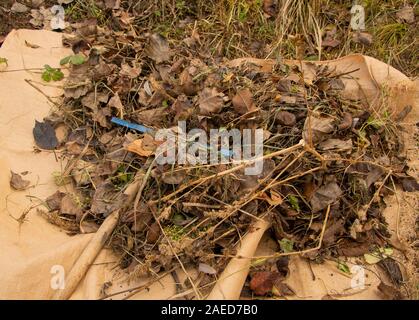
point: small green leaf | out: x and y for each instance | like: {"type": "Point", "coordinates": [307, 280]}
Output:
{"type": "Point", "coordinates": [378, 255]}
{"type": "Point", "coordinates": [286, 245]}
{"type": "Point", "coordinates": [386, 251]}
{"type": "Point", "coordinates": [52, 74]}
{"type": "Point", "coordinates": [57, 75]}
{"type": "Point", "coordinates": [48, 68]}
{"type": "Point", "coordinates": [46, 76]}
{"type": "Point", "coordinates": [293, 200]}
{"type": "Point", "coordinates": [65, 60]}
{"type": "Point", "coordinates": [77, 59]}
{"type": "Point", "coordinates": [342, 266]}
{"type": "Point", "coordinates": [372, 258]}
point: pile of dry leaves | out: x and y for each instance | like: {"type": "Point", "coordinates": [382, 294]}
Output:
{"type": "Point", "coordinates": [328, 161]}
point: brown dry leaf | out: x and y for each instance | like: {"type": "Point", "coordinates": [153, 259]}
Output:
{"type": "Point", "coordinates": [88, 227]}
{"type": "Point", "coordinates": [281, 289]}
{"type": "Point", "coordinates": [106, 199]}
{"type": "Point", "coordinates": [152, 117]}
{"type": "Point", "coordinates": [334, 229]}
{"type": "Point", "coordinates": [243, 101]}
{"type": "Point", "coordinates": [70, 206]}
{"type": "Point", "coordinates": [17, 182]}
{"type": "Point", "coordinates": [410, 184]}
{"type": "Point", "coordinates": [210, 101]}
{"type": "Point", "coordinates": [389, 292]}
{"type": "Point", "coordinates": [174, 177]}
{"type": "Point", "coordinates": [92, 99]}
{"type": "Point", "coordinates": [406, 14]}
{"type": "Point", "coordinates": [274, 199]}
{"type": "Point", "coordinates": [158, 48]}
{"type": "Point", "coordinates": [324, 196]}
{"type": "Point", "coordinates": [76, 86]}
{"type": "Point", "coordinates": [101, 116]}
{"type": "Point", "coordinates": [336, 145]}
{"type": "Point", "coordinates": [330, 37]}
{"type": "Point", "coordinates": [137, 147]}
{"type": "Point", "coordinates": [115, 102]}
{"type": "Point", "coordinates": [36, 3]}
{"type": "Point", "coordinates": [102, 70]}
{"type": "Point", "coordinates": [346, 122]}
{"type": "Point", "coordinates": [153, 233]}
{"type": "Point", "coordinates": [126, 18]}
{"type": "Point", "coordinates": [82, 172]}
{"type": "Point", "coordinates": [86, 28]}
{"type": "Point", "coordinates": [30, 45]}
{"type": "Point", "coordinates": [270, 7]}
{"type": "Point", "coordinates": [363, 38]}
{"type": "Point", "coordinates": [392, 269]}
{"type": "Point", "coordinates": [193, 40]}
{"type": "Point", "coordinates": [262, 282]}
{"type": "Point", "coordinates": [54, 201]}
{"type": "Point", "coordinates": [286, 118]}
{"type": "Point", "coordinates": [348, 248]}
{"type": "Point", "coordinates": [374, 174]}
{"type": "Point", "coordinates": [130, 72]}
{"type": "Point", "coordinates": [182, 107]}
{"type": "Point", "coordinates": [186, 84]}
{"type": "Point", "coordinates": [113, 4]}
{"type": "Point", "coordinates": [320, 127]}
{"type": "Point", "coordinates": [19, 8]}
{"type": "Point", "coordinates": [403, 114]}
{"type": "Point", "coordinates": [44, 135]}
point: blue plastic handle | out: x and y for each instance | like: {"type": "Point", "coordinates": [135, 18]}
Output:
{"type": "Point", "coordinates": [133, 126]}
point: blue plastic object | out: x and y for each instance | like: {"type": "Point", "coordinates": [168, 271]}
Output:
{"type": "Point", "coordinates": [133, 126]}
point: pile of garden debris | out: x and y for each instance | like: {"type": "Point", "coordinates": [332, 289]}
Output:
{"type": "Point", "coordinates": [327, 162]}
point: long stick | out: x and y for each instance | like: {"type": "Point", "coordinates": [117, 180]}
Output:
{"type": "Point", "coordinates": [231, 281]}
{"type": "Point", "coordinates": [87, 257]}
{"type": "Point", "coordinates": [95, 245]}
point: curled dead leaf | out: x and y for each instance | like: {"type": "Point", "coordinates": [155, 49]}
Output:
{"type": "Point", "coordinates": [325, 196]}
{"type": "Point", "coordinates": [54, 201]}
{"type": "Point", "coordinates": [138, 146]}
{"type": "Point", "coordinates": [44, 135]}
{"type": "Point", "coordinates": [210, 101]}
{"type": "Point", "coordinates": [70, 206]}
{"type": "Point", "coordinates": [262, 282]}
{"type": "Point", "coordinates": [317, 128]}
{"type": "Point", "coordinates": [243, 101]}
{"type": "Point", "coordinates": [17, 182]}
{"type": "Point", "coordinates": [158, 48]}
{"type": "Point", "coordinates": [286, 118]}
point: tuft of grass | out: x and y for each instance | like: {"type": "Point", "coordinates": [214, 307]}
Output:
{"type": "Point", "coordinates": [392, 34]}
{"type": "Point", "coordinates": [82, 9]}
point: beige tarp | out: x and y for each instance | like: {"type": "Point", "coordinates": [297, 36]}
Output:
{"type": "Point", "coordinates": [30, 247]}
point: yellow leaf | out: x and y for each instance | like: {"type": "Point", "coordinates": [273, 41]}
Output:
{"type": "Point", "coordinates": [138, 148]}
{"type": "Point", "coordinates": [274, 199]}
